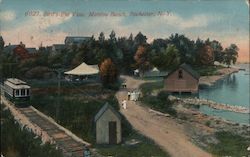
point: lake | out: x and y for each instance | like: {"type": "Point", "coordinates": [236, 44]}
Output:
{"type": "Point", "coordinates": [233, 90]}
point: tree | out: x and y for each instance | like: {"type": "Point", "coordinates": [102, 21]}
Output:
{"type": "Point", "coordinates": [167, 59]}
{"type": "Point", "coordinates": [1, 43]}
{"type": "Point", "coordinates": [108, 72]}
{"type": "Point", "coordinates": [131, 38]}
{"type": "Point", "coordinates": [206, 55]}
{"type": "Point", "coordinates": [185, 46]}
{"type": "Point", "coordinates": [142, 58]}
{"type": "Point", "coordinates": [230, 55]}
{"type": "Point", "coordinates": [112, 37]}
{"type": "Point", "coordinates": [101, 38]}
{"type": "Point", "coordinates": [140, 39]}
{"type": "Point", "coordinates": [218, 50]}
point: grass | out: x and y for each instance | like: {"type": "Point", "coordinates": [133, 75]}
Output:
{"type": "Point", "coordinates": [148, 88]}
{"type": "Point", "coordinates": [17, 142]}
{"type": "Point", "coordinates": [230, 145]}
{"type": "Point", "coordinates": [145, 148]}
{"type": "Point", "coordinates": [159, 102]}
{"type": "Point", "coordinates": [77, 108]}
{"type": "Point", "coordinates": [76, 114]}
{"type": "Point", "coordinates": [207, 70]}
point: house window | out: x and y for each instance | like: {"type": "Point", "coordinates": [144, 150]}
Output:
{"type": "Point", "coordinates": [22, 92]}
{"type": "Point", "coordinates": [180, 74]}
{"type": "Point", "coordinates": [28, 92]}
{"type": "Point", "coordinates": [17, 92]}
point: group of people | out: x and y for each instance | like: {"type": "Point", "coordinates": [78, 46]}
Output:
{"type": "Point", "coordinates": [130, 96]}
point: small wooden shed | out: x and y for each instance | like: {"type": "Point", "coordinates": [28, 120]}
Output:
{"type": "Point", "coordinates": [182, 79]}
{"type": "Point", "coordinates": [108, 126]}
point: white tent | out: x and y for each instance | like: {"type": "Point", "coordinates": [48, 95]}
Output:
{"type": "Point", "coordinates": [83, 69]}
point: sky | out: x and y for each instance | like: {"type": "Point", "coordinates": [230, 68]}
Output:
{"type": "Point", "coordinates": [47, 22]}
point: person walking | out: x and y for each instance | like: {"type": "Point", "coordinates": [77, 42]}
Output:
{"type": "Point", "coordinates": [129, 94]}
{"type": "Point", "coordinates": [124, 104]}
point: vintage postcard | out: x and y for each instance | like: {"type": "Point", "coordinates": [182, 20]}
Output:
{"type": "Point", "coordinates": [124, 78]}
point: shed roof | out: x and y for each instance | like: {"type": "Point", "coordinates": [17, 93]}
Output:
{"type": "Point", "coordinates": [104, 109]}
{"type": "Point", "coordinates": [188, 69]}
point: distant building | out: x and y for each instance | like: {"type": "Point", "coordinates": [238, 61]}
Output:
{"type": "Point", "coordinates": [77, 40]}
{"type": "Point", "coordinates": [182, 79]}
{"type": "Point", "coordinates": [108, 126]}
{"type": "Point", "coordinates": [154, 73]}
{"type": "Point", "coordinates": [9, 49]}
{"type": "Point", "coordinates": [58, 47]}
{"type": "Point", "coordinates": [21, 52]}
{"type": "Point", "coordinates": [31, 50]}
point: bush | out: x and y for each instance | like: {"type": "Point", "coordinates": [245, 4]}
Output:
{"type": "Point", "coordinates": [17, 142]}
{"type": "Point", "coordinates": [230, 145]}
{"type": "Point", "coordinates": [160, 103]}
{"type": "Point", "coordinates": [208, 123]}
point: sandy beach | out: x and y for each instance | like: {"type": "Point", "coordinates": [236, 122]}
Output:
{"type": "Point", "coordinates": [210, 80]}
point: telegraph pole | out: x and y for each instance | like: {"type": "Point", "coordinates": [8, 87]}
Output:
{"type": "Point", "coordinates": [59, 71]}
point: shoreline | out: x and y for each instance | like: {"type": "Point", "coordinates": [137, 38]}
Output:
{"type": "Point", "coordinates": [212, 104]}
{"type": "Point", "coordinates": [210, 80]}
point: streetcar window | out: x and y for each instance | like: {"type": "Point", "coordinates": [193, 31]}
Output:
{"type": "Point", "coordinates": [28, 92]}
{"type": "Point", "coordinates": [22, 91]}
{"type": "Point", "coordinates": [17, 92]}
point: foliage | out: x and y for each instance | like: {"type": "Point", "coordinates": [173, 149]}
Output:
{"type": "Point", "coordinates": [231, 54]}
{"type": "Point", "coordinates": [142, 58]}
{"type": "Point", "coordinates": [166, 59]}
{"type": "Point", "coordinates": [207, 70]}
{"type": "Point", "coordinates": [17, 142]}
{"type": "Point", "coordinates": [159, 102]}
{"type": "Point", "coordinates": [127, 54]}
{"type": "Point", "coordinates": [206, 55]}
{"type": "Point", "coordinates": [108, 72]}
{"type": "Point", "coordinates": [230, 144]}
{"type": "Point", "coordinates": [145, 147]}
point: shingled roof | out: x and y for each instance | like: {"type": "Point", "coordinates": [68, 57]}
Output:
{"type": "Point", "coordinates": [105, 108]}
{"type": "Point", "coordinates": [188, 69]}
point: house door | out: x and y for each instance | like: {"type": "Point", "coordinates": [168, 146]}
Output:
{"type": "Point", "coordinates": [112, 133]}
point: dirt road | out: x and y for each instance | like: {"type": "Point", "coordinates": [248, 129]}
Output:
{"type": "Point", "coordinates": [165, 131]}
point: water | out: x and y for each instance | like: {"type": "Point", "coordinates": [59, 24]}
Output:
{"type": "Point", "coordinates": [232, 90]}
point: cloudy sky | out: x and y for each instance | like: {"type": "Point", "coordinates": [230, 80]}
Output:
{"type": "Point", "coordinates": [28, 20]}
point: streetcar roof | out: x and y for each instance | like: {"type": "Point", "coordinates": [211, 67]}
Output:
{"type": "Point", "coordinates": [16, 83]}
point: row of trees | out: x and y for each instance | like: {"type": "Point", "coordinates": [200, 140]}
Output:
{"type": "Point", "coordinates": [126, 54]}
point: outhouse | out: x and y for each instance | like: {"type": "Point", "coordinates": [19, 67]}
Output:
{"type": "Point", "coordinates": [108, 126]}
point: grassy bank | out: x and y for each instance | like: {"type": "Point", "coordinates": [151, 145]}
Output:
{"type": "Point", "coordinates": [17, 142]}
{"type": "Point", "coordinates": [230, 144]}
{"type": "Point", "coordinates": [137, 146]}
{"type": "Point", "coordinates": [207, 70]}
{"type": "Point", "coordinates": [159, 101]}
{"type": "Point", "coordinates": [148, 88]}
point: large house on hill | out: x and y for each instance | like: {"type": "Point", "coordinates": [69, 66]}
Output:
{"type": "Point", "coordinates": [77, 40]}
{"type": "Point", "coordinates": [182, 79]}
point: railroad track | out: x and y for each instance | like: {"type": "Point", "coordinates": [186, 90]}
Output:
{"type": "Point", "coordinates": [67, 142]}
{"type": "Point", "coordinates": [68, 145]}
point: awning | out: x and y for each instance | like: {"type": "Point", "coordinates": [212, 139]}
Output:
{"type": "Point", "coordinates": [83, 69]}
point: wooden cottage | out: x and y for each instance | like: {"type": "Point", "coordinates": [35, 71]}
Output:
{"type": "Point", "coordinates": [182, 79]}
{"type": "Point", "coordinates": [108, 126]}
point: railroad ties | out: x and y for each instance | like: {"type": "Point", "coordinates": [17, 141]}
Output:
{"type": "Point", "coordinates": [69, 146]}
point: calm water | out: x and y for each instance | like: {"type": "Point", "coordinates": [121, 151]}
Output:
{"type": "Point", "coordinates": [233, 90]}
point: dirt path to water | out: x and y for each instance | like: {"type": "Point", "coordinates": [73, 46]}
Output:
{"type": "Point", "coordinates": [165, 131]}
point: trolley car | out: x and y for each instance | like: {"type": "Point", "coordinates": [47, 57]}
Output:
{"type": "Point", "coordinates": [17, 91]}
